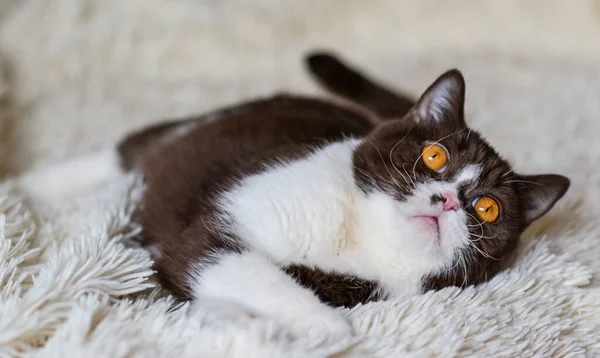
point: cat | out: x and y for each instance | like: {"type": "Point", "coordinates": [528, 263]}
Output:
{"type": "Point", "coordinates": [289, 206]}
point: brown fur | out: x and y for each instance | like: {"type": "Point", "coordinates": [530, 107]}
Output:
{"type": "Point", "coordinates": [349, 83]}
{"type": "Point", "coordinates": [185, 176]}
{"type": "Point", "coordinates": [338, 290]}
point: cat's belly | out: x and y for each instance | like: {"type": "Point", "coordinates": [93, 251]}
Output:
{"type": "Point", "coordinates": [297, 212]}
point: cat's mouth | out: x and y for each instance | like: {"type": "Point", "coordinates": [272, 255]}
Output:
{"type": "Point", "coordinates": [430, 223]}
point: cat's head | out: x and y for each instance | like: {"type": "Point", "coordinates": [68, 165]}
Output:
{"type": "Point", "coordinates": [444, 196]}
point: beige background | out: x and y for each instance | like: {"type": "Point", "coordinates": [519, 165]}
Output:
{"type": "Point", "coordinates": [78, 74]}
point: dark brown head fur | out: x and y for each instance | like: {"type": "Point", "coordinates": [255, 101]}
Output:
{"type": "Point", "coordinates": [389, 161]}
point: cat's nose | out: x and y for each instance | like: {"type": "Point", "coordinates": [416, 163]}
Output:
{"type": "Point", "coordinates": [450, 202]}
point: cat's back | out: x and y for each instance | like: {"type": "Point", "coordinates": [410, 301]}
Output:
{"type": "Point", "coordinates": [241, 140]}
{"type": "Point", "coordinates": [188, 165]}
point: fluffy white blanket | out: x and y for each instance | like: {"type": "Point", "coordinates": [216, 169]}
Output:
{"type": "Point", "coordinates": [78, 74]}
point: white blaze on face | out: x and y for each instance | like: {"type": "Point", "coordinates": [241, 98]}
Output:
{"type": "Point", "coordinates": [469, 174]}
{"type": "Point", "coordinates": [410, 229]}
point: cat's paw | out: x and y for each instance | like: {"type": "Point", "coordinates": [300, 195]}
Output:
{"type": "Point", "coordinates": [320, 323]}
{"type": "Point", "coordinates": [213, 312]}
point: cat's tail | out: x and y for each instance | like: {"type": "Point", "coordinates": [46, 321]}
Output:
{"type": "Point", "coordinates": [351, 84]}
{"type": "Point", "coordinates": [80, 174]}
{"type": "Point", "coordinates": [72, 177]}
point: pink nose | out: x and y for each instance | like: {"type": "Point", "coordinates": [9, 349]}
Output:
{"type": "Point", "coordinates": [450, 202]}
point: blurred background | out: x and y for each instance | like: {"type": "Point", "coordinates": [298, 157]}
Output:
{"type": "Point", "coordinates": [79, 73]}
{"type": "Point", "coordinates": [76, 75]}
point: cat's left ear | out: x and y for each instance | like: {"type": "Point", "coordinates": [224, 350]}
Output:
{"type": "Point", "coordinates": [443, 102]}
{"type": "Point", "coordinates": [539, 193]}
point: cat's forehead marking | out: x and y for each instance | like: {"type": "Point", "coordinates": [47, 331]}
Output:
{"type": "Point", "coordinates": [469, 173]}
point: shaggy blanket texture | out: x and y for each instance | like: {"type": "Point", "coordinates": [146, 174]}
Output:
{"type": "Point", "coordinates": [79, 74]}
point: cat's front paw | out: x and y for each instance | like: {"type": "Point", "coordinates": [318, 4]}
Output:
{"type": "Point", "coordinates": [213, 311]}
{"type": "Point", "coordinates": [321, 323]}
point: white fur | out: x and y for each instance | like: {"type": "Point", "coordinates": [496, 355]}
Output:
{"type": "Point", "coordinates": [296, 210]}
{"type": "Point", "coordinates": [251, 280]}
{"type": "Point", "coordinates": [72, 177]}
{"type": "Point", "coordinates": [311, 212]}
{"type": "Point", "coordinates": [85, 172]}
{"type": "Point", "coordinates": [470, 173]}
{"type": "Point", "coordinates": [308, 211]}
{"type": "Point", "coordinates": [100, 68]}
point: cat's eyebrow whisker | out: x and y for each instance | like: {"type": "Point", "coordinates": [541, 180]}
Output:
{"type": "Point", "coordinates": [383, 161]}
{"type": "Point", "coordinates": [387, 181]}
{"type": "Point", "coordinates": [412, 179]}
{"type": "Point", "coordinates": [392, 161]}
{"type": "Point", "coordinates": [436, 142]}
{"type": "Point", "coordinates": [507, 173]}
{"type": "Point", "coordinates": [406, 178]}
{"type": "Point", "coordinates": [400, 141]}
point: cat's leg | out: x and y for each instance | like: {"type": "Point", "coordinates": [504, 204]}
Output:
{"type": "Point", "coordinates": [253, 282]}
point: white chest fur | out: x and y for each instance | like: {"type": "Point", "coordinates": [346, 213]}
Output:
{"type": "Point", "coordinates": [311, 212]}
{"type": "Point", "coordinates": [298, 211]}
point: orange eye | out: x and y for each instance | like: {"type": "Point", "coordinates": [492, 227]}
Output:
{"type": "Point", "coordinates": [486, 208]}
{"type": "Point", "coordinates": [435, 157]}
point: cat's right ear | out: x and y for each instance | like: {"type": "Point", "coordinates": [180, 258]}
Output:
{"type": "Point", "coordinates": [539, 193]}
{"type": "Point", "coordinates": [443, 102]}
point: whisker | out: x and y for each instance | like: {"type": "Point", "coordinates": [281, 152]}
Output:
{"type": "Point", "coordinates": [412, 182]}
{"type": "Point", "coordinates": [383, 161]}
{"type": "Point", "coordinates": [413, 179]}
{"type": "Point", "coordinates": [479, 237]}
{"type": "Point", "coordinates": [480, 224]}
{"type": "Point", "coordinates": [389, 182]}
{"type": "Point", "coordinates": [485, 254]}
{"type": "Point", "coordinates": [507, 173]}
{"type": "Point", "coordinates": [456, 264]}
{"type": "Point", "coordinates": [482, 237]}
{"type": "Point", "coordinates": [464, 283]}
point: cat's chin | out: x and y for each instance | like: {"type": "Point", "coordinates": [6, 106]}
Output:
{"type": "Point", "coordinates": [438, 234]}
{"type": "Point", "coordinates": [429, 224]}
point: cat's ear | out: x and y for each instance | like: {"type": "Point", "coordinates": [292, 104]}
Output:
{"type": "Point", "coordinates": [539, 193]}
{"type": "Point", "coordinates": [443, 102]}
